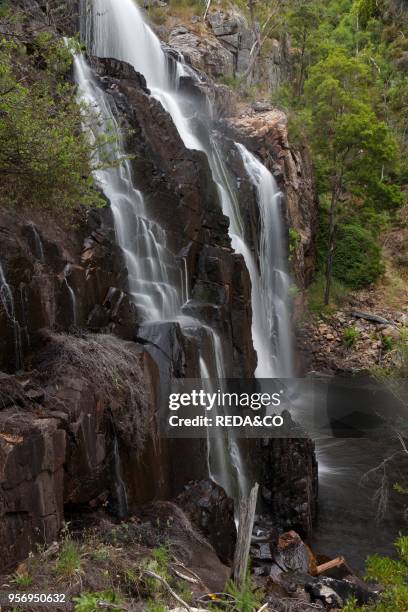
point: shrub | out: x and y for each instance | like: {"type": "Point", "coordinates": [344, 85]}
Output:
{"type": "Point", "coordinates": [89, 602]}
{"type": "Point", "coordinates": [350, 335]}
{"type": "Point", "coordinates": [391, 574]}
{"type": "Point", "coordinates": [357, 258]}
{"type": "Point", "coordinates": [46, 160]}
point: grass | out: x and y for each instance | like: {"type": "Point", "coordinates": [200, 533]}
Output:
{"type": "Point", "coordinates": [350, 336]}
{"type": "Point", "coordinates": [246, 597]}
{"type": "Point", "coordinates": [23, 580]}
{"type": "Point", "coordinates": [315, 296]}
{"type": "Point", "coordinates": [69, 560]}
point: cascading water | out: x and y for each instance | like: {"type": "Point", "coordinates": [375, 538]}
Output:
{"type": "Point", "coordinates": [7, 302]}
{"type": "Point", "coordinates": [157, 278]}
{"type": "Point", "coordinates": [270, 287]}
{"type": "Point", "coordinates": [39, 248]}
{"type": "Point", "coordinates": [115, 28]}
{"type": "Point", "coordinates": [72, 296]}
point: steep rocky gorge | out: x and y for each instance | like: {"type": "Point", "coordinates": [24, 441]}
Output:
{"type": "Point", "coordinates": [89, 373]}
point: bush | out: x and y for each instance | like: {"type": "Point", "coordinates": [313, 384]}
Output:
{"type": "Point", "coordinates": [350, 335]}
{"type": "Point", "coordinates": [357, 258]}
{"type": "Point", "coordinates": [89, 602]}
{"type": "Point", "coordinates": [391, 574]}
{"type": "Point", "coordinates": [45, 158]}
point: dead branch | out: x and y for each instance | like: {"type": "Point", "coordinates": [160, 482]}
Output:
{"type": "Point", "coordinates": [168, 587]}
{"type": "Point", "coordinates": [207, 9]}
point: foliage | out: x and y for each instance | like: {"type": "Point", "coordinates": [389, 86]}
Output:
{"type": "Point", "coordinates": [22, 580]}
{"type": "Point", "coordinates": [391, 574]}
{"type": "Point", "coordinates": [246, 597]}
{"type": "Point", "coordinates": [45, 158]}
{"type": "Point", "coordinates": [315, 296]}
{"type": "Point", "coordinates": [89, 602]}
{"type": "Point", "coordinates": [350, 336]}
{"type": "Point", "coordinates": [69, 559]}
{"type": "Point", "coordinates": [357, 259]}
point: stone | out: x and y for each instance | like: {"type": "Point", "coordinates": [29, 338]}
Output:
{"type": "Point", "coordinates": [212, 512]}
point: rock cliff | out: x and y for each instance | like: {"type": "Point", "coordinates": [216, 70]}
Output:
{"type": "Point", "coordinates": [82, 373]}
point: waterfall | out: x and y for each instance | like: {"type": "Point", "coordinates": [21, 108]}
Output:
{"type": "Point", "coordinates": [71, 292]}
{"type": "Point", "coordinates": [270, 287]}
{"type": "Point", "coordinates": [116, 28]}
{"type": "Point", "coordinates": [39, 248]}
{"type": "Point", "coordinates": [155, 280]}
{"type": "Point", "coordinates": [7, 302]}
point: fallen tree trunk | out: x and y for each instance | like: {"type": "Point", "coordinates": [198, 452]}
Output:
{"type": "Point", "coordinates": [369, 317]}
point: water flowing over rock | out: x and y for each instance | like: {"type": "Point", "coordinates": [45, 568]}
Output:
{"type": "Point", "coordinates": [155, 286]}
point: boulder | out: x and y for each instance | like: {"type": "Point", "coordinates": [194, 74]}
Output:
{"type": "Point", "coordinates": [212, 512]}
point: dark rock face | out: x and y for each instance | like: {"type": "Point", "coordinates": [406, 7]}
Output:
{"type": "Point", "coordinates": [212, 512]}
{"type": "Point", "coordinates": [56, 435]}
{"type": "Point", "coordinates": [66, 279]}
{"type": "Point", "coordinates": [289, 483]}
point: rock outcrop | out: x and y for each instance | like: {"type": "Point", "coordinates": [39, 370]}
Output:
{"type": "Point", "coordinates": [289, 482]}
{"type": "Point", "coordinates": [223, 51]}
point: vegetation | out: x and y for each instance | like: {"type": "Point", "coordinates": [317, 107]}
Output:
{"type": "Point", "coordinates": [69, 559]}
{"type": "Point", "coordinates": [347, 97]}
{"type": "Point", "coordinates": [246, 597]}
{"type": "Point", "coordinates": [393, 575]}
{"type": "Point", "coordinates": [90, 602]}
{"type": "Point", "coordinates": [45, 158]}
{"type": "Point", "coordinates": [350, 336]}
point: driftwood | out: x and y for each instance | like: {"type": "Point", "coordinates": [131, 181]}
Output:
{"type": "Point", "coordinates": [369, 317]}
{"type": "Point", "coordinates": [337, 562]}
{"type": "Point", "coordinates": [247, 509]}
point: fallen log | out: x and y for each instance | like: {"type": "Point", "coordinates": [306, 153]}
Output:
{"type": "Point", "coordinates": [370, 317]}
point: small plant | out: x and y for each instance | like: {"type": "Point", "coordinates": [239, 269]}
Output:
{"type": "Point", "coordinates": [154, 606]}
{"type": "Point", "coordinates": [69, 559]}
{"type": "Point", "coordinates": [387, 343]}
{"type": "Point", "coordinates": [23, 580]}
{"type": "Point", "coordinates": [246, 597]}
{"type": "Point", "coordinates": [89, 602]}
{"type": "Point", "coordinates": [294, 240]}
{"type": "Point", "coordinates": [350, 336]}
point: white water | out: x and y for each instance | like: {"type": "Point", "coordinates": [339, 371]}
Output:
{"type": "Point", "coordinates": [39, 248]}
{"type": "Point", "coordinates": [7, 302]}
{"type": "Point", "coordinates": [115, 28]}
{"type": "Point", "coordinates": [72, 296]}
{"type": "Point", "coordinates": [270, 287]}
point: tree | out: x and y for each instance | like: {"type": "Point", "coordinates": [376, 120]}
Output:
{"type": "Point", "coordinates": [265, 17]}
{"type": "Point", "coordinates": [303, 19]}
{"type": "Point", "coordinates": [354, 151]}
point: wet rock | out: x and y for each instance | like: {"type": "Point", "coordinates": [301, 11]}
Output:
{"type": "Point", "coordinates": [291, 553]}
{"type": "Point", "coordinates": [335, 593]}
{"type": "Point", "coordinates": [212, 512]}
{"type": "Point", "coordinates": [266, 135]}
{"type": "Point", "coordinates": [288, 479]}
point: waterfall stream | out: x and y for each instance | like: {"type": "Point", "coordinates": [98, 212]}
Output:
{"type": "Point", "coordinates": [7, 302]}
{"type": "Point", "coordinates": [116, 29]}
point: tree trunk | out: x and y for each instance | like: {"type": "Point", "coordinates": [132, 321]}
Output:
{"type": "Point", "coordinates": [247, 509]}
{"type": "Point", "coordinates": [331, 243]}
